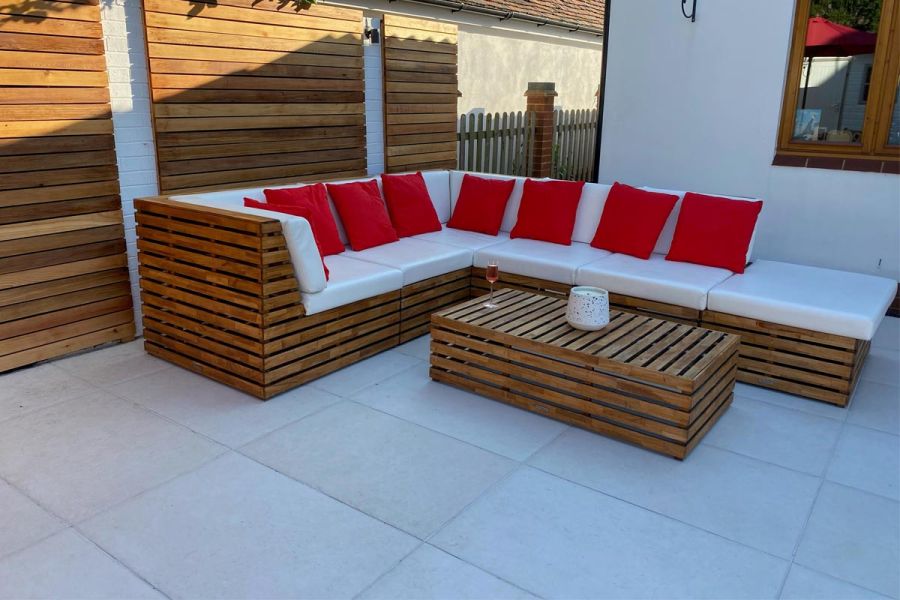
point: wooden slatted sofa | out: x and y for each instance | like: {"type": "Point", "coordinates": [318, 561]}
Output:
{"type": "Point", "coordinates": [239, 294]}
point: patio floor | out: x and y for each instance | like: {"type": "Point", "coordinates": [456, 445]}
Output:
{"type": "Point", "coordinates": [123, 476]}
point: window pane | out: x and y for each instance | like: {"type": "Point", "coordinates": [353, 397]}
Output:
{"type": "Point", "coordinates": [836, 71]}
{"type": "Point", "coordinates": [894, 131]}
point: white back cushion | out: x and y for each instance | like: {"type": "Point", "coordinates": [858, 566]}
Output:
{"type": "Point", "coordinates": [590, 207]}
{"type": "Point", "coordinates": [297, 234]}
{"type": "Point", "coordinates": [438, 184]}
{"type": "Point", "coordinates": [664, 243]}
{"type": "Point", "coordinates": [512, 207]}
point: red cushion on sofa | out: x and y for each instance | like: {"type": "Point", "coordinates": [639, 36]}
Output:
{"type": "Point", "coordinates": [632, 220]}
{"type": "Point", "coordinates": [481, 204]}
{"type": "Point", "coordinates": [409, 204]}
{"type": "Point", "coordinates": [322, 220]}
{"type": "Point", "coordinates": [714, 231]}
{"type": "Point", "coordinates": [547, 212]}
{"type": "Point", "coordinates": [363, 213]}
{"type": "Point", "coordinates": [298, 211]}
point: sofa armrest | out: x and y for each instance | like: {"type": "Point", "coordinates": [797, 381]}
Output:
{"type": "Point", "coordinates": [296, 233]}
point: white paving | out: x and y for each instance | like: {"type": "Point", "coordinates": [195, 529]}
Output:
{"type": "Point", "coordinates": [124, 477]}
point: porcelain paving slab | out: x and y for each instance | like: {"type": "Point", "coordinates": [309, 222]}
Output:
{"type": "Point", "coordinates": [117, 363]}
{"type": "Point", "coordinates": [746, 500]}
{"type": "Point", "coordinates": [786, 437]}
{"type": "Point", "coordinates": [419, 347]}
{"type": "Point", "coordinates": [33, 388]}
{"type": "Point", "coordinates": [68, 566]}
{"type": "Point", "coordinates": [357, 376]}
{"type": "Point", "coordinates": [218, 411]}
{"type": "Point", "coordinates": [855, 536]}
{"type": "Point", "coordinates": [22, 522]}
{"type": "Point", "coordinates": [562, 540]}
{"type": "Point", "coordinates": [888, 334]}
{"type": "Point", "coordinates": [804, 584]}
{"type": "Point", "coordinates": [84, 455]}
{"type": "Point", "coordinates": [431, 574]}
{"type": "Point", "coordinates": [500, 428]}
{"type": "Point", "coordinates": [868, 460]}
{"type": "Point", "coordinates": [882, 365]}
{"type": "Point", "coordinates": [822, 409]}
{"type": "Point", "coordinates": [877, 406]}
{"type": "Point", "coordinates": [396, 471]}
{"type": "Point", "coordinates": [237, 529]}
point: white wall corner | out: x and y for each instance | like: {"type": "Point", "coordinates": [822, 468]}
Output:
{"type": "Point", "coordinates": [126, 59]}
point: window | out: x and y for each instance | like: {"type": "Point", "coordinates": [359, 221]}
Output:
{"type": "Point", "coordinates": [842, 98]}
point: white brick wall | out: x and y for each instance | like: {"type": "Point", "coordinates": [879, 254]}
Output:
{"type": "Point", "coordinates": [374, 104]}
{"type": "Point", "coordinates": [126, 61]}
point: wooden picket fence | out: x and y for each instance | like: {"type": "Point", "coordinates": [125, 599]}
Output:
{"type": "Point", "coordinates": [574, 139]}
{"type": "Point", "coordinates": [496, 143]}
{"type": "Point", "coordinates": [502, 143]}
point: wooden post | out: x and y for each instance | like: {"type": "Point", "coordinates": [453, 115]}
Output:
{"type": "Point", "coordinates": [539, 100]}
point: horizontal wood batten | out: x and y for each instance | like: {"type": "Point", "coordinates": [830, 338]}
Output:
{"type": "Point", "coordinates": [420, 93]}
{"type": "Point", "coordinates": [245, 92]}
{"type": "Point", "coordinates": [63, 275]}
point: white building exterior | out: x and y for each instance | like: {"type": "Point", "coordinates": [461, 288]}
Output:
{"type": "Point", "coordinates": [697, 106]}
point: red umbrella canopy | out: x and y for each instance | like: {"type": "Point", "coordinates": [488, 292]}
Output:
{"type": "Point", "coordinates": [826, 38]}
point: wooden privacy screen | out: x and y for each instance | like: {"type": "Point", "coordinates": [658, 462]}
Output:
{"type": "Point", "coordinates": [420, 88]}
{"type": "Point", "coordinates": [63, 274]}
{"type": "Point", "coordinates": [250, 91]}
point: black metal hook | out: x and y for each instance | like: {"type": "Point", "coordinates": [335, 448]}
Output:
{"type": "Point", "coordinates": [693, 15]}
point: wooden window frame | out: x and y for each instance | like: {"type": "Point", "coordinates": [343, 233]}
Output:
{"type": "Point", "coordinates": [872, 153]}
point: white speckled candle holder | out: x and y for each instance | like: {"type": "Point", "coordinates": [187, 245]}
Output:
{"type": "Point", "coordinates": [588, 308]}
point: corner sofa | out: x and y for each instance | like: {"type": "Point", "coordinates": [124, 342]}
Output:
{"type": "Point", "coordinates": [240, 294]}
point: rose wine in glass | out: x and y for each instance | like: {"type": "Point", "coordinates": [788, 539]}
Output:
{"type": "Point", "coordinates": [492, 274]}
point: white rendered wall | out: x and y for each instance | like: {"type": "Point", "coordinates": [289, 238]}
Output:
{"type": "Point", "coordinates": [374, 103]}
{"type": "Point", "coordinates": [497, 59]}
{"type": "Point", "coordinates": [696, 106]}
{"type": "Point", "coordinates": [129, 91]}
{"type": "Point", "coordinates": [496, 65]}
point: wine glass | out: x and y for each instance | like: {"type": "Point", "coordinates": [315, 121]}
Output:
{"type": "Point", "coordinates": [492, 274]}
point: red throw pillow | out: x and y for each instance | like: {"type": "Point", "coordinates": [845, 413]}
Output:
{"type": "Point", "coordinates": [363, 213]}
{"type": "Point", "coordinates": [547, 212]}
{"type": "Point", "coordinates": [481, 204]}
{"type": "Point", "coordinates": [322, 220]}
{"type": "Point", "coordinates": [714, 231]}
{"type": "Point", "coordinates": [632, 220]}
{"type": "Point", "coordinates": [297, 211]}
{"type": "Point", "coordinates": [409, 204]}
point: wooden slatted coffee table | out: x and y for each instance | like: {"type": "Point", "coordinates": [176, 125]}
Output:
{"type": "Point", "coordinates": [654, 383]}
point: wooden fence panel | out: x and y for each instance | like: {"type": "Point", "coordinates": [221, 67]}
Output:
{"type": "Point", "coordinates": [248, 92]}
{"type": "Point", "coordinates": [496, 143]}
{"type": "Point", "coordinates": [420, 93]}
{"type": "Point", "coordinates": [573, 144]}
{"type": "Point", "coordinates": [63, 272]}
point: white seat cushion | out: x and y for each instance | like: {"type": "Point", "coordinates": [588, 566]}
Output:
{"type": "Point", "coordinates": [296, 230]}
{"type": "Point", "coordinates": [544, 260]}
{"type": "Point", "coordinates": [417, 259]}
{"type": "Point", "coordinates": [351, 280]}
{"type": "Point", "coordinates": [464, 239]}
{"type": "Point", "coordinates": [824, 300]}
{"type": "Point", "coordinates": [657, 279]}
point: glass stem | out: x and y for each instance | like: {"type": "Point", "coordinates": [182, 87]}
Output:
{"type": "Point", "coordinates": [491, 301]}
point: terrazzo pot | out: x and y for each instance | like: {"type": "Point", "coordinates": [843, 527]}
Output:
{"type": "Point", "coordinates": [588, 308]}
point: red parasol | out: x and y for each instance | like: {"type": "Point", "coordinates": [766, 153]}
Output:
{"type": "Point", "coordinates": [825, 38]}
